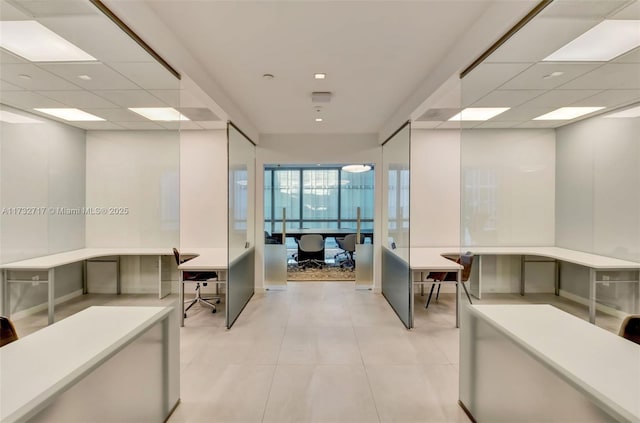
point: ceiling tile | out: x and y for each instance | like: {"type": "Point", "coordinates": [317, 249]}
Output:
{"type": "Point", "coordinates": [96, 125]}
{"type": "Point", "coordinates": [631, 57]}
{"type": "Point", "coordinates": [102, 76]}
{"type": "Point", "coordinates": [598, 9]}
{"type": "Point", "coordinates": [78, 99]}
{"type": "Point", "coordinates": [492, 124]}
{"type": "Point", "coordinates": [521, 113]}
{"type": "Point", "coordinates": [632, 11]}
{"type": "Point", "coordinates": [7, 57]}
{"type": "Point", "coordinates": [610, 99]}
{"type": "Point", "coordinates": [41, 8]}
{"type": "Point", "coordinates": [130, 98]}
{"type": "Point", "coordinates": [118, 115]}
{"type": "Point", "coordinates": [424, 124]}
{"type": "Point", "coordinates": [9, 12]}
{"type": "Point", "coordinates": [507, 98]}
{"type": "Point", "coordinates": [5, 86]}
{"type": "Point", "coordinates": [486, 78]}
{"type": "Point", "coordinates": [560, 98]}
{"type": "Point", "coordinates": [171, 98]}
{"type": "Point", "coordinates": [148, 75]}
{"type": "Point", "coordinates": [533, 78]}
{"type": "Point", "coordinates": [549, 34]}
{"type": "Point", "coordinates": [28, 100]}
{"type": "Point", "coordinates": [609, 76]}
{"type": "Point", "coordinates": [40, 79]}
{"type": "Point", "coordinates": [542, 124]}
{"type": "Point", "coordinates": [218, 124]}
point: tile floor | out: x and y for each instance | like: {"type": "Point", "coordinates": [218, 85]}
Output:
{"type": "Point", "coordinates": [318, 352]}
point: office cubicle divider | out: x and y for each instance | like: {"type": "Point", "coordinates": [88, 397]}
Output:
{"type": "Point", "coordinates": [397, 285]}
{"type": "Point", "coordinates": [241, 219]}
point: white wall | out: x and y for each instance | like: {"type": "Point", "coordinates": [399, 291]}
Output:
{"type": "Point", "coordinates": [316, 148]}
{"type": "Point", "coordinates": [508, 187]}
{"type": "Point", "coordinates": [138, 171]}
{"type": "Point", "coordinates": [203, 189]}
{"type": "Point", "coordinates": [435, 188]}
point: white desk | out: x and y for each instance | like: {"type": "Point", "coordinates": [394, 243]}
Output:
{"type": "Point", "coordinates": [50, 262]}
{"type": "Point", "coordinates": [431, 260]}
{"type": "Point", "coordinates": [595, 263]}
{"type": "Point", "coordinates": [207, 260]}
{"type": "Point", "coordinates": [568, 354]}
{"type": "Point", "coordinates": [59, 363]}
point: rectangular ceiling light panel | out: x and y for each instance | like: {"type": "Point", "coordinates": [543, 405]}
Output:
{"type": "Point", "coordinates": [160, 114]}
{"type": "Point", "coordinates": [605, 41]}
{"type": "Point", "coordinates": [568, 113]}
{"type": "Point", "coordinates": [478, 113]}
{"type": "Point", "coordinates": [37, 43]}
{"type": "Point", "coordinates": [71, 115]}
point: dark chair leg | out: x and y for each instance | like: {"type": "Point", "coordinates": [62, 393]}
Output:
{"type": "Point", "coordinates": [467, 292]}
{"type": "Point", "coordinates": [433, 285]}
{"type": "Point", "coordinates": [438, 293]}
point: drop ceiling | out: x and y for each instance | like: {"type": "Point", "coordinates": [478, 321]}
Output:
{"type": "Point", "coordinates": [516, 76]}
{"type": "Point", "coordinates": [124, 75]}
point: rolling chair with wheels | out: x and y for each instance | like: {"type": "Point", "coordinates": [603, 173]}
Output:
{"type": "Point", "coordinates": [630, 328]}
{"type": "Point", "coordinates": [8, 332]}
{"type": "Point", "coordinates": [199, 278]}
{"type": "Point", "coordinates": [310, 251]}
{"type": "Point", "coordinates": [466, 260]}
{"type": "Point", "coordinates": [348, 246]}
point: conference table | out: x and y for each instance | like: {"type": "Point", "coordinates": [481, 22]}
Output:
{"type": "Point", "coordinates": [325, 232]}
{"type": "Point", "coordinates": [50, 262]}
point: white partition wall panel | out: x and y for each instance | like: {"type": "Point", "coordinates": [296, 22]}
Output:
{"type": "Point", "coordinates": [435, 187]}
{"type": "Point", "coordinates": [203, 189]}
{"type": "Point", "coordinates": [134, 173]}
{"type": "Point", "coordinates": [508, 187]}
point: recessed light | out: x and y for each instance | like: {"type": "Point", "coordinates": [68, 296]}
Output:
{"type": "Point", "coordinates": [319, 119]}
{"type": "Point", "coordinates": [24, 76]}
{"type": "Point", "coordinates": [356, 168]}
{"type": "Point", "coordinates": [603, 42]}
{"type": "Point", "coordinates": [10, 117]}
{"type": "Point", "coordinates": [479, 113]}
{"type": "Point", "coordinates": [161, 114]}
{"type": "Point", "coordinates": [319, 75]}
{"type": "Point", "coordinates": [628, 113]}
{"type": "Point", "coordinates": [72, 115]}
{"type": "Point", "coordinates": [568, 113]}
{"type": "Point", "coordinates": [37, 43]}
{"type": "Point", "coordinates": [268, 76]}
{"type": "Point", "coordinates": [553, 75]}
{"type": "Point", "coordinates": [85, 77]}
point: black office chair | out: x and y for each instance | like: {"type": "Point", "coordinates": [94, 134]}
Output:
{"type": "Point", "coordinates": [310, 251]}
{"type": "Point", "coordinates": [348, 247]}
{"type": "Point", "coordinates": [466, 260]}
{"type": "Point", "coordinates": [8, 332]}
{"type": "Point", "coordinates": [199, 278]}
{"type": "Point", "coordinates": [630, 328]}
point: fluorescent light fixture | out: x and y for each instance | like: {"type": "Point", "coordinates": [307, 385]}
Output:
{"type": "Point", "coordinates": [37, 43]}
{"type": "Point", "coordinates": [319, 75]}
{"type": "Point", "coordinates": [161, 114]}
{"type": "Point", "coordinates": [9, 117]}
{"type": "Point", "coordinates": [629, 113]}
{"type": "Point", "coordinates": [568, 113]}
{"type": "Point", "coordinates": [319, 119]}
{"type": "Point", "coordinates": [479, 113]}
{"type": "Point", "coordinates": [356, 168]}
{"type": "Point", "coordinates": [603, 42]}
{"type": "Point", "coordinates": [72, 115]}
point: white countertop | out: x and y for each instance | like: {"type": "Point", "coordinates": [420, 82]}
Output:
{"type": "Point", "coordinates": [431, 259]}
{"type": "Point", "coordinates": [207, 259]}
{"type": "Point", "coordinates": [68, 257]}
{"type": "Point", "coordinates": [35, 368]}
{"type": "Point", "coordinates": [602, 364]}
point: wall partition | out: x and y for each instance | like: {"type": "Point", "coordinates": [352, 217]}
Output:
{"type": "Point", "coordinates": [397, 286]}
{"type": "Point", "coordinates": [241, 229]}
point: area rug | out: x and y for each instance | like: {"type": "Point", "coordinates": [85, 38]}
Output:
{"type": "Point", "coordinates": [328, 273]}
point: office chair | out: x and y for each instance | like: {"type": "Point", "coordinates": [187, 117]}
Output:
{"type": "Point", "coordinates": [311, 251]}
{"type": "Point", "coordinates": [630, 328]}
{"type": "Point", "coordinates": [348, 247]}
{"type": "Point", "coordinates": [198, 277]}
{"type": "Point", "coordinates": [466, 260]}
{"type": "Point", "coordinates": [8, 332]}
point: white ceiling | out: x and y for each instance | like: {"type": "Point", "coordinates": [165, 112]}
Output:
{"type": "Point", "coordinates": [124, 76]}
{"type": "Point", "coordinates": [513, 76]}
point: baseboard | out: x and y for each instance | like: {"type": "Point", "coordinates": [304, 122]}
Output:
{"type": "Point", "coordinates": [599, 307]}
{"type": "Point", "coordinates": [44, 306]}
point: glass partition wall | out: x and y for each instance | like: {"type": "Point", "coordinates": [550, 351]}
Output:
{"type": "Point", "coordinates": [397, 285]}
{"type": "Point", "coordinates": [84, 162]}
{"type": "Point", "coordinates": [241, 232]}
{"type": "Point", "coordinates": [550, 156]}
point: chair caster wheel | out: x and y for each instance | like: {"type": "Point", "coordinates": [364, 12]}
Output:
{"type": "Point", "coordinates": [218, 302]}
{"type": "Point", "coordinates": [185, 315]}
{"type": "Point", "coordinates": [213, 311]}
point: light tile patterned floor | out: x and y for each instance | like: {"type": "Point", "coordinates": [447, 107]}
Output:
{"type": "Point", "coordinates": [318, 352]}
